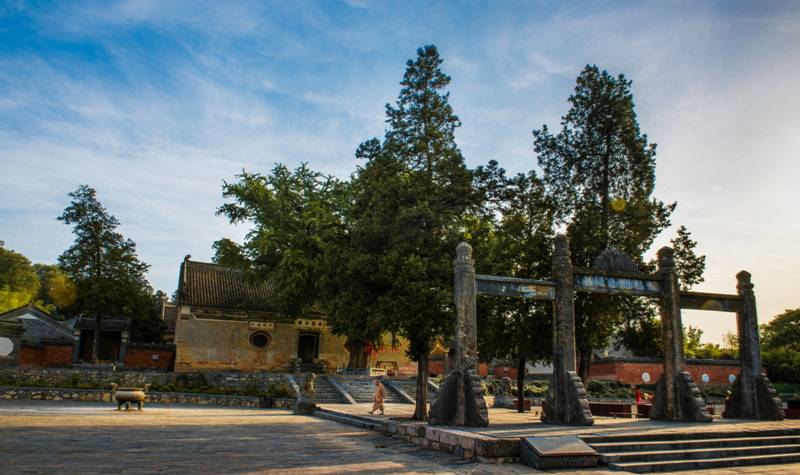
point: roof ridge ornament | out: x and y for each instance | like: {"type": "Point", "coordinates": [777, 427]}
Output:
{"type": "Point", "coordinates": [615, 259]}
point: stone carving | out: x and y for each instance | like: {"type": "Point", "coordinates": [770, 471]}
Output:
{"type": "Point", "coordinates": [615, 259]}
{"type": "Point", "coordinates": [566, 397]}
{"type": "Point", "coordinates": [308, 384]}
{"type": "Point", "coordinates": [460, 399]}
{"type": "Point", "coordinates": [502, 393]}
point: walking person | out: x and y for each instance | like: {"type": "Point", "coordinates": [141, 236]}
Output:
{"type": "Point", "coordinates": [380, 395]}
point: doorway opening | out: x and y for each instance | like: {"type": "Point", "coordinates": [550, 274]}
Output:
{"type": "Point", "coordinates": [308, 347]}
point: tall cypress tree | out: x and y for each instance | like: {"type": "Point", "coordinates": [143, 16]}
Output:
{"type": "Point", "coordinates": [103, 265]}
{"type": "Point", "coordinates": [427, 221]}
{"type": "Point", "coordinates": [600, 169]}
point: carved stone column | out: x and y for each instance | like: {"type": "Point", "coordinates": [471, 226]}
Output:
{"type": "Point", "coordinates": [460, 399]}
{"type": "Point", "coordinates": [752, 395]}
{"type": "Point", "coordinates": [677, 396]}
{"type": "Point", "coordinates": [566, 398]}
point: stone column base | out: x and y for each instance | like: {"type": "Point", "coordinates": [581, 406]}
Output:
{"type": "Point", "coordinates": [567, 404]}
{"type": "Point", "coordinates": [690, 405]}
{"type": "Point", "coordinates": [768, 404]}
{"type": "Point", "coordinates": [444, 410]}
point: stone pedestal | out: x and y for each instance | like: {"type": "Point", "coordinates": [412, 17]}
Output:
{"type": "Point", "coordinates": [566, 398]}
{"type": "Point", "coordinates": [505, 402]}
{"type": "Point", "coordinates": [460, 399]}
{"type": "Point", "coordinates": [677, 396]}
{"type": "Point", "coordinates": [688, 403]}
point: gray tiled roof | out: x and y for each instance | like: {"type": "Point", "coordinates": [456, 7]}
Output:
{"type": "Point", "coordinates": [40, 326]}
{"type": "Point", "coordinates": [214, 286]}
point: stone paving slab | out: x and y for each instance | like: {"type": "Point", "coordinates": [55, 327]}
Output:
{"type": "Point", "coordinates": [59, 437]}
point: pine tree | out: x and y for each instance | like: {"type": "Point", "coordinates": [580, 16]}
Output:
{"type": "Point", "coordinates": [437, 190]}
{"type": "Point", "coordinates": [521, 246]}
{"type": "Point", "coordinates": [103, 265]}
{"type": "Point", "coordinates": [600, 171]}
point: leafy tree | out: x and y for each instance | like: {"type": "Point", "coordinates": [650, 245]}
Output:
{"type": "Point", "coordinates": [19, 283]}
{"type": "Point", "coordinates": [641, 331]}
{"type": "Point", "coordinates": [437, 191]}
{"type": "Point", "coordinates": [520, 245]}
{"type": "Point", "coordinates": [600, 171]}
{"type": "Point", "coordinates": [56, 291]}
{"type": "Point", "coordinates": [355, 277]}
{"type": "Point", "coordinates": [103, 265]}
{"type": "Point", "coordinates": [293, 217]}
{"type": "Point", "coordinates": [780, 346]}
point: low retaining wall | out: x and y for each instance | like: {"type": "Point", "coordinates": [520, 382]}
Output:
{"type": "Point", "coordinates": [103, 377]}
{"type": "Point", "coordinates": [98, 395]}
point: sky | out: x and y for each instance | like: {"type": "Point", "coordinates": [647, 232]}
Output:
{"type": "Point", "coordinates": [156, 104]}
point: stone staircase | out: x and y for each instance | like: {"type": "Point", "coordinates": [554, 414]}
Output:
{"type": "Point", "coordinates": [363, 390]}
{"type": "Point", "coordinates": [324, 392]}
{"type": "Point", "coordinates": [666, 452]}
{"type": "Point", "coordinates": [410, 387]}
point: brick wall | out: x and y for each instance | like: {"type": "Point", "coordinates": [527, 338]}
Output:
{"type": "Point", "coordinates": [630, 370]}
{"type": "Point", "coordinates": [160, 357]}
{"type": "Point", "coordinates": [45, 356]}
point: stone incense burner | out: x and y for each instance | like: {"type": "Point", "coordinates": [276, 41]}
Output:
{"type": "Point", "coordinates": [129, 396]}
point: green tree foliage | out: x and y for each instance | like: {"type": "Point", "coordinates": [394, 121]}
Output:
{"type": "Point", "coordinates": [436, 192]}
{"type": "Point", "coordinates": [293, 214]}
{"type": "Point", "coordinates": [600, 171]}
{"type": "Point", "coordinates": [356, 281]}
{"type": "Point", "coordinates": [516, 241]}
{"type": "Point", "coordinates": [641, 331]}
{"type": "Point", "coordinates": [689, 266]}
{"type": "Point", "coordinates": [780, 346]}
{"type": "Point", "coordinates": [56, 290]}
{"type": "Point", "coordinates": [103, 265]}
{"type": "Point", "coordinates": [19, 283]}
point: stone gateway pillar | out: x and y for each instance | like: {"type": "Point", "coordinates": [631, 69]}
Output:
{"type": "Point", "coordinates": [677, 396]}
{"type": "Point", "coordinates": [460, 399]}
{"type": "Point", "coordinates": [566, 397]}
{"type": "Point", "coordinates": [752, 395]}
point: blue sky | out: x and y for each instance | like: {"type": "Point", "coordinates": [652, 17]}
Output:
{"type": "Point", "coordinates": [155, 103]}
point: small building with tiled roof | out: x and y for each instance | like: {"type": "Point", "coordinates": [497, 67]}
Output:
{"type": "Point", "coordinates": [226, 322]}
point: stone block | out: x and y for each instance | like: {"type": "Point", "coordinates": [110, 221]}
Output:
{"type": "Point", "coordinates": [546, 453]}
{"type": "Point", "coordinates": [493, 448]}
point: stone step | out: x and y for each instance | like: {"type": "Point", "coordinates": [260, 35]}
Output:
{"type": "Point", "coordinates": [410, 387]}
{"type": "Point", "coordinates": [665, 436]}
{"type": "Point", "coordinates": [674, 465]}
{"type": "Point", "coordinates": [698, 454]}
{"type": "Point", "coordinates": [352, 420]}
{"type": "Point", "coordinates": [325, 393]}
{"type": "Point", "coordinates": [658, 445]}
{"type": "Point", "coordinates": [363, 390]}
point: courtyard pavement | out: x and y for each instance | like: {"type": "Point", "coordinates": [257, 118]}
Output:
{"type": "Point", "coordinates": [71, 437]}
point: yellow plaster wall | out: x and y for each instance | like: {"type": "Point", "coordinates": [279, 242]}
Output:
{"type": "Point", "coordinates": [223, 344]}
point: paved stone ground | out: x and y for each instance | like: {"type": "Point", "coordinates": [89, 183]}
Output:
{"type": "Point", "coordinates": [87, 438]}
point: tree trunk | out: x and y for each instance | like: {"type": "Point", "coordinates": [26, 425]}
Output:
{"type": "Point", "coordinates": [521, 384]}
{"type": "Point", "coordinates": [358, 355]}
{"type": "Point", "coordinates": [96, 341]}
{"type": "Point", "coordinates": [584, 363]}
{"type": "Point", "coordinates": [421, 410]}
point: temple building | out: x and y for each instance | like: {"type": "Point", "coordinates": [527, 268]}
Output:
{"type": "Point", "coordinates": [224, 322]}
